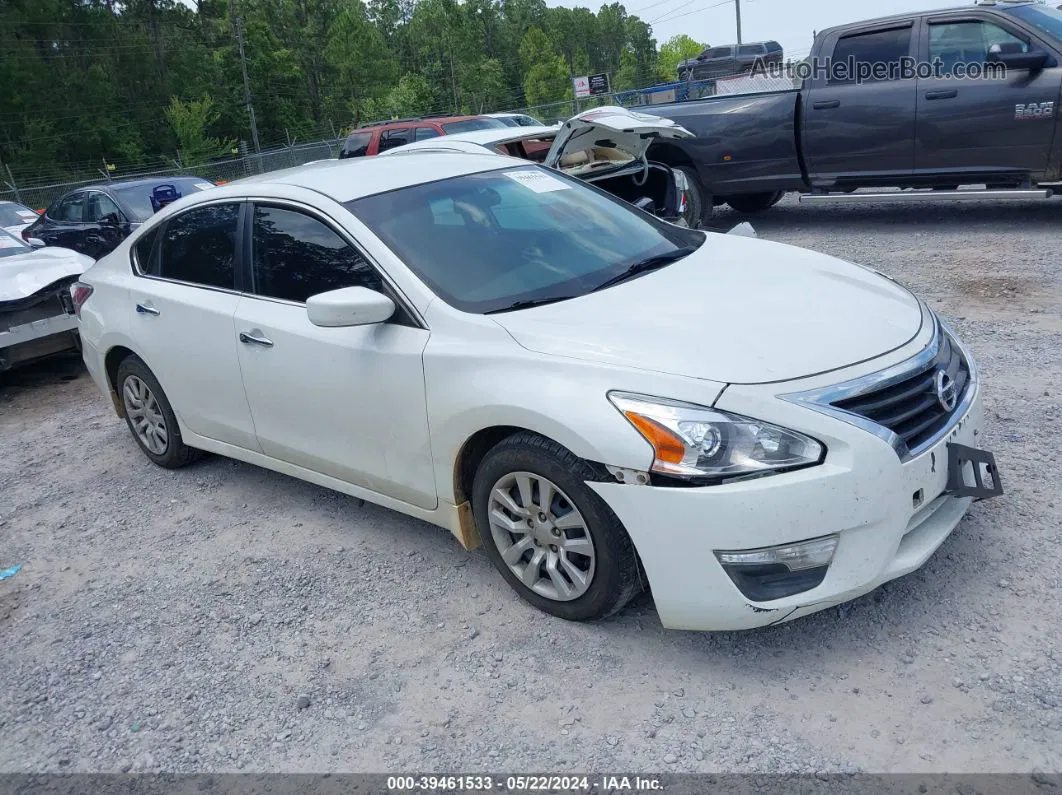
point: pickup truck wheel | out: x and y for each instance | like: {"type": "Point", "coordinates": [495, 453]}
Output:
{"type": "Point", "coordinates": [150, 417]}
{"type": "Point", "coordinates": [698, 210]}
{"type": "Point", "coordinates": [556, 543]}
{"type": "Point", "coordinates": [750, 203]}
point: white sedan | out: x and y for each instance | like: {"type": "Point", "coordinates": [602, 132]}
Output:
{"type": "Point", "coordinates": [15, 217]}
{"type": "Point", "coordinates": [603, 400]}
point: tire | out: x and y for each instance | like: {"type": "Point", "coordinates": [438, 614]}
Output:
{"type": "Point", "coordinates": [147, 408]}
{"type": "Point", "coordinates": [598, 547]}
{"type": "Point", "coordinates": [751, 203]}
{"type": "Point", "coordinates": [699, 209]}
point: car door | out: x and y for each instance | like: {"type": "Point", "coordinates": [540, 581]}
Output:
{"type": "Point", "coordinates": [181, 318]}
{"type": "Point", "coordinates": [102, 231]}
{"type": "Point", "coordinates": [979, 124]}
{"type": "Point", "coordinates": [859, 117]}
{"type": "Point", "coordinates": [64, 223]}
{"type": "Point", "coordinates": [344, 402]}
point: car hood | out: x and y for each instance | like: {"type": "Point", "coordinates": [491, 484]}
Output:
{"type": "Point", "coordinates": [22, 275]}
{"type": "Point", "coordinates": [738, 310]}
{"type": "Point", "coordinates": [612, 127]}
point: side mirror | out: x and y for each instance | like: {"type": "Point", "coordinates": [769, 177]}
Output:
{"type": "Point", "coordinates": [35, 242]}
{"type": "Point", "coordinates": [349, 306]}
{"type": "Point", "coordinates": [110, 219]}
{"type": "Point", "coordinates": [1033, 60]}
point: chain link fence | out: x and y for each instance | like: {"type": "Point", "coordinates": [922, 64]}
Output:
{"type": "Point", "coordinates": [38, 196]}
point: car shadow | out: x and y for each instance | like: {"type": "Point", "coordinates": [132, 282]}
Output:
{"type": "Point", "coordinates": [1001, 216]}
{"type": "Point", "coordinates": [61, 368]}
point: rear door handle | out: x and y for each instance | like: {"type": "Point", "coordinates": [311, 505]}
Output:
{"type": "Point", "coordinates": [255, 337]}
{"type": "Point", "coordinates": [147, 309]}
{"type": "Point", "coordinates": [828, 104]}
{"type": "Point", "coordinates": [948, 94]}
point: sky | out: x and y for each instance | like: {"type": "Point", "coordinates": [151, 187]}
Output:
{"type": "Point", "coordinates": [789, 22]}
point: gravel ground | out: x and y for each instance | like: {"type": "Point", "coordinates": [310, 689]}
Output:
{"type": "Point", "coordinates": [227, 618]}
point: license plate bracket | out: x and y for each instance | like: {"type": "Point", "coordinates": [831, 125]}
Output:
{"type": "Point", "coordinates": [958, 456]}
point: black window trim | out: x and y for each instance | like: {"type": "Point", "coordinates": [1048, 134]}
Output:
{"type": "Point", "coordinates": [163, 225]}
{"type": "Point", "coordinates": [246, 264]}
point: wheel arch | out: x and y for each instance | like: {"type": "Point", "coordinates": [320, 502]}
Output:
{"type": "Point", "coordinates": [112, 360]}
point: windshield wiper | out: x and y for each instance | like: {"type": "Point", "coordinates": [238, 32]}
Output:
{"type": "Point", "coordinates": [529, 303]}
{"type": "Point", "coordinates": [646, 265]}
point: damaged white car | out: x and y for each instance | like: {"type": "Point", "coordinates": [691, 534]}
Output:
{"type": "Point", "coordinates": [36, 307]}
{"type": "Point", "coordinates": [607, 147]}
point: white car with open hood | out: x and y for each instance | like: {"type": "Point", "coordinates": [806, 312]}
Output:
{"type": "Point", "coordinates": [603, 400]}
{"type": "Point", "coordinates": [606, 146]}
{"type": "Point", "coordinates": [36, 307]}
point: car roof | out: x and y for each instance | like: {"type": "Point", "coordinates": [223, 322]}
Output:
{"type": "Point", "coordinates": [932, 12]}
{"type": "Point", "coordinates": [125, 183]}
{"type": "Point", "coordinates": [492, 137]}
{"type": "Point", "coordinates": [353, 178]}
{"type": "Point", "coordinates": [411, 122]}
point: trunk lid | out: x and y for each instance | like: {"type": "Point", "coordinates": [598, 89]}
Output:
{"type": "Point", "coordinates": [608, 136]}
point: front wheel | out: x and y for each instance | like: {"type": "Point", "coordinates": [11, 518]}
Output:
{"type": "Point", "coordinates": [556, 543]}
{"type": "Point", "coordinates": [750, 203]}
{"type": "Point", "coordinates": [698, 209]}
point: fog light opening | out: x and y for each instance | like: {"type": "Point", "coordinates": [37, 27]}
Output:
{"type": "Point", "coordinates": [763, 575]}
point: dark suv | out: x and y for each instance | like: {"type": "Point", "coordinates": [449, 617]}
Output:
{"type": "Point", "coordinates": [730, 60]}
{"type": "Point", "coordinates": [379, 136]}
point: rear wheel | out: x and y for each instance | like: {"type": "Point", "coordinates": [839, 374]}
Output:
{"type": "Point", "coordinates": [750, 203]}
{"type": "Point", "coordinates": [556, 543]}
{"type": "Point", "coordinates": [150, 417]}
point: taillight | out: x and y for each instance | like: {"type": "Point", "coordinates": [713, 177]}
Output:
{"type": "Point", "coordinates": [80, 292]}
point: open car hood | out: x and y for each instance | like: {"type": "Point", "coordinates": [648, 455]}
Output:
{"type": "Point", "coordinates": [612, 133]}
{"type": "Point", "coordinates": [22, 275]}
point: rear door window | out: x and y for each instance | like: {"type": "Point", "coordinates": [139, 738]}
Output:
{"type": "Point", "coordinates": [69, 210]}
{"type": "Point", "coordinates": [199, 247]}
{"type": "Point", "coordinates": [392, 138]}
{"type": "Point", "coordinates": [424, 133]}
{"type": "Point", "coordinates": [357, 144]}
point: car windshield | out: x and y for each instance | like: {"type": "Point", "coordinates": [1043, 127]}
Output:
{"type": "Point", "coordinates": [11, 245]}
{"type": "Point", "coordinates": [468, 125]}
{"type": "Point", "coordinates": [528, 121]}
{"type": "Point", "coordinates": [487, 242]}
{"type": "Point", "coordinates": [1046, 20]}
{"type": "Point", "coordinates": [136, 199]}
{"type": "Point", "coordinates": [12, 214]}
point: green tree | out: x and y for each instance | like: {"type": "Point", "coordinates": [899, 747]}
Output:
{"type": "Point", "coordinates": [674, 51]}
{"type": "Point", "coordinates": [190, 122]}
{"type": "Point", "coordinates": [546, 74]}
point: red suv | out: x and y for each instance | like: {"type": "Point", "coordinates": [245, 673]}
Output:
{"type": "Point", "coordinates": [379, 136]}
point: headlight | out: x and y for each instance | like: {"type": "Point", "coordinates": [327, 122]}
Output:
{"type": "Point", "coordinates": [696, 443]}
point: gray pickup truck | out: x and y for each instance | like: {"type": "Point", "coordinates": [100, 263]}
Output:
{"type": "Point", "coordinates": [925, 102]}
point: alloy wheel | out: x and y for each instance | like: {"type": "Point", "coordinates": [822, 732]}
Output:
{"type": "Point", "coordinates": [541, 536]}
{"type": "Point", "coordinates": [145, 415]}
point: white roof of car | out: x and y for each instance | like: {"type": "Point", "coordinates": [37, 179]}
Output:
{"type": "Point", "coordinates": [493, 137]}
{"type": "Point", "coordinates": [344, 180]}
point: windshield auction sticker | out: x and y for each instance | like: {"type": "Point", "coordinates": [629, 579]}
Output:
{"type": "Point", "coordinates": [538, 181]}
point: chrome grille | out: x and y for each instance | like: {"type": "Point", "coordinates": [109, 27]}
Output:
{"type": "Point", "coordinates": [911, 407]}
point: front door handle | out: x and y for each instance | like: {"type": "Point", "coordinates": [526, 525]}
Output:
{"type": "Point", "coordinates": [948, 94]}
{"type": "Point", "coordinates": [828, 104]}
{"type": "Point", "coordinates": [255, 337]}
{"type": "Point", "coordinates": [147, 309]}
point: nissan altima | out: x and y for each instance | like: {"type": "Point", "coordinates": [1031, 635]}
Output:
{"type": "Point", "coordinates": [604, 401]}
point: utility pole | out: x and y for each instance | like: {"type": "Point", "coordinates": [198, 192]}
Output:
{"type": "Point", "coordinates": [238, 23]}
{"type": "Point", "coordinates": [737, 7]}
